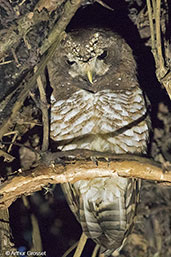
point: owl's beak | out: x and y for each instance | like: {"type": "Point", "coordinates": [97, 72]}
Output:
{"type": "Point", "coordinates": [90, 76]}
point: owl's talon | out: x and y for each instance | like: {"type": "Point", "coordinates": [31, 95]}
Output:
{"type": "Point", "coordinates": [94, 160]}
{"type": "Point", "coordinates": [49, 158]}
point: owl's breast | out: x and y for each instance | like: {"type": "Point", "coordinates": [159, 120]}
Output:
{"type": "Point", "coordinates": [96, 116]}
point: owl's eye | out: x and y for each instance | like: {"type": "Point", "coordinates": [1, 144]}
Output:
{"type": "Point", "coordinates": [103, 55]}
{"type": "Point", "coordinates": [70, 62]}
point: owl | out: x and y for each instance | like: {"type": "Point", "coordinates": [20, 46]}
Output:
{"type": "Point", "coordinates": [97, 104]}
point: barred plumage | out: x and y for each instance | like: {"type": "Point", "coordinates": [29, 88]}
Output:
{"type": "Point", "coordinates": [90, 117]}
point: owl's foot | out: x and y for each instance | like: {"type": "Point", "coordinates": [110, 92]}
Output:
{"type": "Point", "coordinates": [49, 158]}
{"type": "Point", "coordinates": [94, 159]}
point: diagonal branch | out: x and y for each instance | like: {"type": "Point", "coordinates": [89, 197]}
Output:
{"type": "Point", "coordinates": [52, 44]}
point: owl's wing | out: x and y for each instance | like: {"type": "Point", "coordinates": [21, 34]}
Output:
{"type": "Point", "coordinates": [105, 211]}
{"type": "Point", "coordinates": [83, 211]}
{"type": "Point", "coordinates": [132, 197]}
{"type": "Point", "coordinates": [131, 202]}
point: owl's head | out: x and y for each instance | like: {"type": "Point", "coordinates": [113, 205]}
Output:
{"type": "Point", "coordinates": [87, 55]}
{"type": "Point", "coordinates": [92, 53]}
{"type": "Point", "coordinates": [92, 59]}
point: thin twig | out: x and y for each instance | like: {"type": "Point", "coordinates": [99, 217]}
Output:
{"type": "Point", "coordinates": [7, 157]}
{"type": "Point", "coordinates": [36, 237]}
{"type": "Point", "coordinates": [6, 62]}
{"type": "Point", "coordinates": [104, 5]}
{"type": "Point", "coordinates": [158, 40]}
{"type": "Point", "coordinates": [95, 251]}
{"type": "Point", "coordinates": [70, 250]}
{"type": "Point", "coordinates": [6, 245]}
{"type": "Point", "coordinates": [154, 6]}
{"type": "Point", "coordinates": [45, 116]}
{"type": "Point", "coordinates": [81, 244]}
{"type": "Point", "coordinates": [13, 140]}
{"type": "Point", "coordinates": [151, 29]}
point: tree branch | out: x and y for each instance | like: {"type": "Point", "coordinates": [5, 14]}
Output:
{"type": "Point", "coordinates": [80, 165]}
